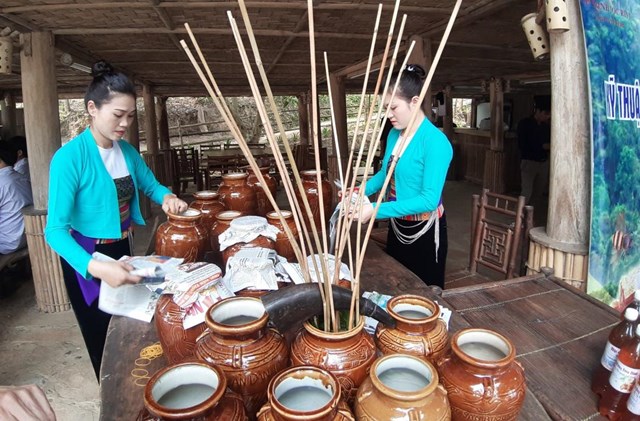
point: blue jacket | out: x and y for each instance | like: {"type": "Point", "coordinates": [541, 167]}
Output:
{"type": "Point", "coordinates": [82, 196]}
{"type": "Point", "coordinates": [419, 175]}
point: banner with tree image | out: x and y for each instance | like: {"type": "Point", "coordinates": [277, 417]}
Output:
{"type": "Point", "coordinates": [612, 37]}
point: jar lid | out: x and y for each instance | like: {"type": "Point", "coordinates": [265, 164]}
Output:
{"type": "Point", "coordinates": [235, 176]}
{"type": "Point", "coordinates": [206, 194]}
{"type": "Point", "coordinates": [248, 223]}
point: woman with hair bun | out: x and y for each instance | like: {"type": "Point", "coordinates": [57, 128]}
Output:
{"type": "Point", "coordinates": [417, 235]}
{"type": "Point", "coordinates": [93, 198]}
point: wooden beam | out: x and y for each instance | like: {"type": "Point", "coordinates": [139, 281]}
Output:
{"type": "Point", "coordinates": [469, 15]}
{"type": "Point", "coordinates": [218, 5]}
{"type": "Point", "coordinates": [302, 22]}
{"type": "Point", "coordinates": [166, 21]}
{"type": "Point", "coordinates": [360, 67]}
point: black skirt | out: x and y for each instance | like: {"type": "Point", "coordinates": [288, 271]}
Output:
{"type": "Point", "coordinates": [420, 256]}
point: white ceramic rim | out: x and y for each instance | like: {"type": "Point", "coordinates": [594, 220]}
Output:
{"type": "Point", "coordinates": [402, 361]}
{"type": "Point", "coordinates": [237, 307]}
{"type": "Point", "coordinates": [484, 337]}
{"type": "Point", "coordinates": [185, 374]}
{"type": "Point", "coordinates": [412, 307]}
{"type": "Point", "coordinates": [290, 383]}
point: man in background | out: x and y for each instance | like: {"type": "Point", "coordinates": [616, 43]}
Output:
{"type": "Point", "coordinates": [15, 194]}
{"type": "Point", "coordinates": [21, 166]}
{"type": "Point", "coordinates": [534, 142]}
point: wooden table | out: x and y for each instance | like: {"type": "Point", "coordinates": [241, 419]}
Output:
{"type": "Point", "coordinates": [558, 332]}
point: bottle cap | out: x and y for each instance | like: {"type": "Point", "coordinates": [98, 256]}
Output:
{"type": "Point", "coordinates": [631, 314]}
{"type": "Point", "coordinates": [636, 295]}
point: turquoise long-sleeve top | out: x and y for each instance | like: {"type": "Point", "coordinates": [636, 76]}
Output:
{"type": "Point", "coordinates": [419, 174]}
{"type": "Point", "coordinates": [83, 197]}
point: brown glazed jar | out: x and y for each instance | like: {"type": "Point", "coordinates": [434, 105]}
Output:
{"type": "Point", "coordinates": [177, 343]}
{"type": "Point", "coordinates": [248, 224]}
{"type": "Point", "coordinates": [419, 330]}
{"type": "Point", "coordinates": [402, 387]}
{"type": "Point", "coordinates": [283, 245]}
{"type": "Point", "coordinates": [223, 219]}
{"type": "Point", "coordinates": [236, 194]}
{"type": "Point", "coordinates": [264, 206]}
{"type": "Point", "coordinates": [207, 202]}
{"type": "Point", "coordinates": [348, 355]}
{"type": "Point", "coordinates": [240, 343]}
{"type": "Point", "coordinates": [483, 379]}
{"type": "Point", "coordinates": [310, 184]}
{"type": "Point", "coordinates": [305, 393]}
{"type": "Point", "coordinates": [190, 391]}
{"type": "Point", "coordinates": [182, 236]}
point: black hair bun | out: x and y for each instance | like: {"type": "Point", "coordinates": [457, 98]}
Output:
{"type": "Point", "coordinates": [101, 68]}
{"type": "Point", "coordinates": [417, 70]}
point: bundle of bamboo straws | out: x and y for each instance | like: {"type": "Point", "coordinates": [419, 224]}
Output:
{"type": "Point", "coordinates": [315, 243]}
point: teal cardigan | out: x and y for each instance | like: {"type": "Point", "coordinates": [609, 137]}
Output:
{"type": "Point", "coordinates": [83, 197]}
{"type": "Point", "coordinates": [419, 174]}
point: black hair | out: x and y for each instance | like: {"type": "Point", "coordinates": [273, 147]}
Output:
{"type": "Point", "coordinates": [106, 82]}
{"type": "Point", "coordinates": [8, 153]}
{"type": "Point", "coordinates": [542, 103]}
{"type": "Point", "coordinates": [19, 143]}
{"type": "Point", "coordinates": [411, 81]}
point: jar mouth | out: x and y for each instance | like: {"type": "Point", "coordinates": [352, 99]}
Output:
{"type": "Point", "coordinates": [205, 194]}
{"type": "Point", "coordinates": [284, 213]}
{"type": "Point", "coordinates": [235, 176]}
{"type": "Point", "coordinates": [190, 214]}
{"type": "Point", "coordinates": [186, 386]}
{"type": "Point", "coordinates": [306, 390]}
{"type": "Point", "coordinates": [238, 311]}
{"type": "Point", "coordinates": [413, 309]}
{"type": "Point", "coordinates": [483, 347]}
{"type": "Point", "coordinates": [312, 172]}
{"type": "Point", "coordinates": [228, 214]}
{"type": "Point", "coordinates": [404, 376]}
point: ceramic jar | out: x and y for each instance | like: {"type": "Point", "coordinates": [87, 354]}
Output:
{"type": "Point", "coordinates": [247, 225]}
{"type": "Point", "coordinates": [483, 379]}
{"type": "Point", "coordinates": [223, 220]}
{"type": "Point", "coordinates": [177, 343]}
{"type": "Point", "coordinates": [237, 195]}
{"type": "Point", "coordinates": [191, 391]}
{"type": "Point", "coordinates": [182, 236]}
{"type": "Point", "coordinates": [240, 343]}
{"type": "Point", "coordinates": [348, 355]}
{"type": "Point", "coordinates": [403, 388]}
{"type": "Point", "coordinates": [207, 202]}
{"type": "Point", "coordinates": [419, 330]}
{"type": "Point", "coordinates": [305, 393]}
{"type": "Point", "coordinates": [283, 245]}
{"type": "Point", "coordinates": [310, 183]}
{"type": "Point", "coordinates": [264, 206]}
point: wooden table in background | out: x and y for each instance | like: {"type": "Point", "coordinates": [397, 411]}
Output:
{"type": "Point", "coordinates": [558, 332]}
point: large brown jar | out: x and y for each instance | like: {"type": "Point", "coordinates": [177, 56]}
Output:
{"type": "Point", "coordinates": [403, 388]}
{"type": "Point", "coordinates": [237, 195]}
{"type": "Point", "coordinates": [248, 224]}
{"type": "Point", "coordinates": [310, 183]}
{"type": "Point", "coordinates": [177, 343]}
{"type": "Point", "coordinates": [419, 330]}
{"type": "Point", "coordinates": [348, 355]}
{"type": "Point", "coordinates": [305, 393]}
{"type": "Point", "coordinates": [207, 202]}
{"type": "Point", "coordinates": [223, 220]}
{"type": "Point", "coordinates": [190, 391]}
{"type": "Point", "coordinates": [264, 206]}
{"type": "Point", "coordinates": [241, 344]}
{"type": "Point", "coordinates": [283, 244]}
{"type": "Point", "coordinates": [182, 236]}
{"type": "Point", "coordinates": [483, 379]}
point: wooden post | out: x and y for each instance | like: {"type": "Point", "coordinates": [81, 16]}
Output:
{"type": "Point", "coordinates": [447, 123]}
{"type": "Point", "coordinates": [151, 131]}
{"type": "Point", "coordinates": [8, 115]}
{"type": "Point", "coordinates": [339, 98]}
{"type": "Point", "coordinates": [163, 123]}
{"type": "Point", "coordinates": [494, 163]}
{"type": "Point", "coordinates": [40, 98]}
{"type": "Point", "coordinates": [421, 55]}
{"type": "Point", "coordinates": [303, 118]}
{"type": "Point", "coordinates": [473, 117]}
{"type": "Point", "coordinates": [133, 135]}
{"type": "Point", "coordinates": [568, 216]}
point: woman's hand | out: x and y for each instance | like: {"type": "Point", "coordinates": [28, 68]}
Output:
{"type": "Point", "coordinates": [363, 215]}
{"type": "Point", "coordinates": [172, 204]}
{"type": "Point", "coordinates": [24, 403]}
{"type": "Point", "coordinates": [113, 273]}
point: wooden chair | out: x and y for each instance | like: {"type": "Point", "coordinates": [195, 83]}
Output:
{"type": "Point", "coordinates": [185, 169]}
{"type": "Point", "coordinates": [499, 238]}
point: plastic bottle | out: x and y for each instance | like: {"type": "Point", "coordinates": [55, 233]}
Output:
{"type": "Point", "coordinates": [620, 334]}
{"type": "Point", "coordinates": [634, 304]}
{"type": "Point", "coordinates": [624, 375]}
{"type": "Point", "coordinates": [632, 410]}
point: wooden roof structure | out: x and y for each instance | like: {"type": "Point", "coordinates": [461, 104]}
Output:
{"type": "Point", "coordinates": [141, 37]}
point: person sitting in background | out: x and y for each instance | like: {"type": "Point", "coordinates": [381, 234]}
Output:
{"type": "Point", "coordinates": [15, 194]}
{"type": "Point", "coordinates": [534, 142]}
{"type": "Point", "coordinates": [21, 166]}
{"type": "Point", "coordinates": [24, 403]}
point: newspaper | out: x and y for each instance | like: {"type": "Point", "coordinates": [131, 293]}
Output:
{"type": "Point", "coordinates": [294, 271]}
{"type": "Point", "coordinates": [252, 268]}
{"type": "Point", "coordinates": [370, 324]}
{"type": "Point", "coordinates": [153, 269]}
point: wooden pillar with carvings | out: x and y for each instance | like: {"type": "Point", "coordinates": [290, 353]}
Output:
{"type": "Point", "coordinates": [494, 163]}
{"type": "Point", "coordinates": [42, 129]}
{"type": "Point", "coordinates": [563, 243]}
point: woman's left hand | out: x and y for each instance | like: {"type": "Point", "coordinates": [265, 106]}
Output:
{"type": "Point", "coordinates": [365, 214]}
{"type": "Point", "coordinates": [172, 204]}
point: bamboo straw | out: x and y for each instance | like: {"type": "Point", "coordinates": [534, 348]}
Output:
{"type": "Point", "coordinates": [412, 121]}
{"type": "Point", "coordinates": [242, 143]}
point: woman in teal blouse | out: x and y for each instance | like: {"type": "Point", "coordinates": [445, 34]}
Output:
{"type": "Point", "coordinates": [417, 234]}
{"type": "Point", "coordinates": [93, 198]}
